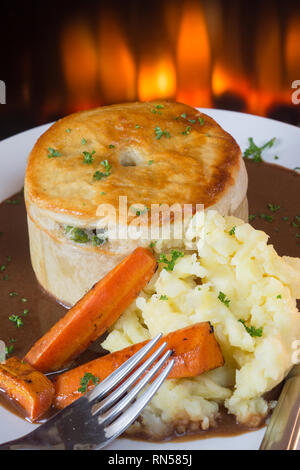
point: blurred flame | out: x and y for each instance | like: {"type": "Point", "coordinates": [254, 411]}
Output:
{"type": "Point", "coordinates": [224, 80]}
{"type": "Point", "coordinates": [268, 63]}
{"type": "Point", "coordinates": [193, 57]}
{"type": "Point", "coordinates": [292, 48]}
{"type": "Point", "coordinates": [79, 62]}
{"type": "Point", "coordinates": [117, 71]}
{"type": "Point", "coordinates": [156, 79]}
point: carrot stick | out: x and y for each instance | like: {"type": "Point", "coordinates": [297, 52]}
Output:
{"type": "Point", "coordinates": [195, 350]}
{"type": "Point", "coordinates": [30, 388]}
{"type": "Point", "coordinates": [94, 313]}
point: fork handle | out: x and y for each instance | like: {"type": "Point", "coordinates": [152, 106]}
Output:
{"type": "Point", "coordinates": [283, 431]}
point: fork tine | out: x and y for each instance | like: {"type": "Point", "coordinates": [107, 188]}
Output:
{"type": "Point", "coordinates": [111, 414]}
{"type": "Point", "coordinates": [118, 392]}
{"type": "Point", "coordinates": [119, 374]}
{"type": "Point", "coordinates": [127, 418]}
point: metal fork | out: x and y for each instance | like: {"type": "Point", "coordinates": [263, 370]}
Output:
{"type": "Point", "coordinates": [102, 414]}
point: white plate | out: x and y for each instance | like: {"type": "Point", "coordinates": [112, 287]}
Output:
{"type": "Point", "coordinates": [13, 155]}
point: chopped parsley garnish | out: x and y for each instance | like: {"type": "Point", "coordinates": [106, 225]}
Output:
{"type": "Point", "coordinates": [163, 297]}
{"type": "Point", "coordinates": [268, 218]}
{"type": "Point", "coordinates": [23, 300]}
{"type": "Point", "coordinates": [14, 202]}
{"type": "Point", "coordinates": [150, 162]}
{"type": "Point", "coordinates": [279, 296]}
{"type": "Point", "coordinates": [192, 121]}
{"type": "Point", "coordinates": [53, 153]}
{"type": "Point", "coordinates": [285, 218]}
{"type": "Point", "coordinates": [88, 157]}
{"type": "Point", "coordinates": [111, 146]}
{"type": "Point", "coordinates": [183, 115]}
{"type": "Point", "coordinates": [273, 207]}
{"type": "Point", "coordinates": [201, 121]}
{"type": "Point", "coordinates": [160, 133]}
{"type": "Point", "coordinates": [17, 320]}
{"type": "Point", "coordinates": [83, 141]}
{"type": "Point", "coordinates": [252, 330]}
{"type": "Point", "coordinates": [68, 130]}
{"type": "Point", "coordinates": [86, 379]}
{"type": "Point", "coordinates": [187, 130]}
{"type": "Point", "coordinates": [5, 278]}
{"type": "Point", "coordinates": [98, 175]}
{"type": "Point", "coordinates": [224, 299]}
{"type": "Point", "coordinates": [152, 244]}
{"type": "Point", "coordinates": [25, 311]}
{"type": "Point", "coordinates": [232, 231]}
{"type": "Point", "coordinates": [2, 267]}
{"type": "Point", "coordinates": [254, 152]}
{"type": "Point", "coordinates": [170, 263]}
{"type": "Point", "coordinates": [10, 348]}
{"type": "Point", "coordinates": [137, 126]}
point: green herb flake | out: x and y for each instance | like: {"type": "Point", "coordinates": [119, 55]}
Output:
{"type": "Point", "coordinates": [25, 311]}
{"type": "Point", "coordinates": [53, 153]}
{"type": "Point", "coordinates": [201, 121]}
{"type": "Point", "coordinates": [98, 175]}
{"type": "Point", "coordinates": [10, 348]}
{"type": "Point", "coordinates": [285, 218]}
{"type": "Point", "coordinates": [13, 202]}
{"type": "Point", "coordinates": [187, 130]}
{"type": "Point", "coordinates": [85, 380]}
{"type": "Point", "coordinates": [232, 231]}
{"type": "Point", "coordinates": [17, 320]}
{"type": "Point", "coordinates": [83, 141]}
{"type": "Point", "coordinates": [252, 217]}
{"type": "Point", "coordinates": [273, 207]}
{"type": "Point", "coordinates": [252, 330]}
{"type": "Point", "coordinates": [163, 297]}
{"type": "Point", "coordinates": [268, 218]}
{"type": "Point", "coordinates": [68, 130]}
{"type": "Point", "coordinates": [88, 157]}
{"type": "Point", "coordinates": [279, 296]}
{"type": "Point", "coordinates": [170, 263]}
{"type": "Point", "coordinates": [224, 299]}
{"type": "Point", "coordinates": [111, 146]}
{"type": "Point", "coordinates": [23, 300]}
{"type": "Point", "coordinates": [254, 152]}
{"type": "Point", "coordinates": [160, 133]}
{"type": "Point", "coordinates": [150, 162]}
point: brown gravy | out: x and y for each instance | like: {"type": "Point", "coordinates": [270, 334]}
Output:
{"type": "Point", "coordinates": [21, 294]}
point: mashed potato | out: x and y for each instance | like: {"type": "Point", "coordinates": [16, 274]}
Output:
{"type": "Point", "coordinates": [231, 277]}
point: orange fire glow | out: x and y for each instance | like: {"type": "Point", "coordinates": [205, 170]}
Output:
{"type": "Point", "coordinates": [79, 63]}
{"type": "Point", "coordinates": [117, 71]}
{"type": "Point", "coordinates": [157, 79]}
{"type": "Point", "coordinates": [193, 57]}
{"type": "Point", "coordinates": [292, 49]}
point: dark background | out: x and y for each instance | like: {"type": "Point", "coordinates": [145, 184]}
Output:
{"type": "Point", "coordinates": [62, 56]}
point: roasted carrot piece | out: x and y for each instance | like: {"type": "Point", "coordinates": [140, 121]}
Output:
{"type": "Point", "coordinates": [30, 388]}
{"type": "Point", "coordinates": [94, 313]}
{"type": "Point", "coordinates": [195, 350]}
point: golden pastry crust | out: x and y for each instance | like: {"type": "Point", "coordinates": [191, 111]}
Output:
{"type": "Point", "coordinates": [193, 162]}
